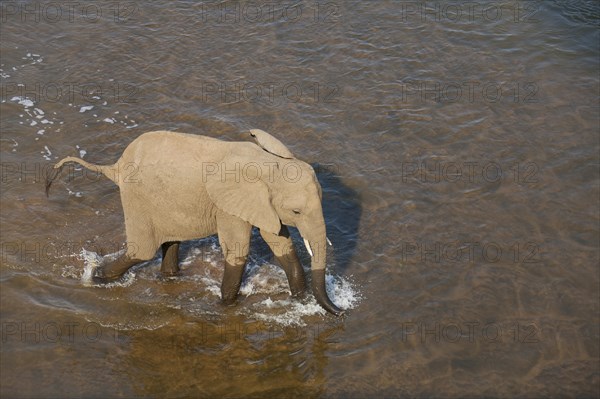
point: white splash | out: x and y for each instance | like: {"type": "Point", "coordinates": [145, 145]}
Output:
{"type": "Point", "coordinates": [268, 279]}
{"type": "Point", "coordinates": [47, 154]}
{"type": "Point", "coordinates": [24, 101]}
{"type": "Point", "coordinates": [92, 260]}
{"type": "Point", "coordinates": [292, 312]}
{"type": "Point", "coordinates": [34, 58]}
{"type": "Point", "coordinates": [286, 312]}
{"type": "Point", "coordinates": [86, 108]}
{"type": "Point", "coordinates": [128, 325]}
{"type": "Point", "coordinates": [264, 295]}
{"type": "Point", "coordinates": [78, 194]}
{"type": "Point", "coordinates": [265, 279]}
{"type": "Point", "coordinates": [342, 292]}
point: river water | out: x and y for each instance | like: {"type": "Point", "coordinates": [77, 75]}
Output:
{"type": "Point", "coordinates": [457, 145]}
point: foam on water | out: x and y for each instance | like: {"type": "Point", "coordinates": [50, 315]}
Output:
{"type": "Point", "coordinates": [263, 279]}
{"type": "Point", "coordinates": [292, 312]}
{"type": "Point", "coordinates": [24, 101]}
{"type": "Point", "coordinates": [35, 117]}
{"type": "Point", "coordinates": [127, 326]}
{"type": "Point", "coordinates": [46, 153]}
{"type": "Point", "coordinates": [91, 261]}
{"type": "Point", "coordinates": [286, 312]}
{"type": "Point", "coordinates": [342, 292]}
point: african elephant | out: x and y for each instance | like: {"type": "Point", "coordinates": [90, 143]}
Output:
{"type": "Point", "coordinates": [182, 186]}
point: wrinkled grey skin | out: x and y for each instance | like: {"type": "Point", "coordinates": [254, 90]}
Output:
{"type": "Point", "coordinates": [177, 187]}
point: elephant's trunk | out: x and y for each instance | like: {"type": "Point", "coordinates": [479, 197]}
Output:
{"type": "Point", "coordinates": [318, 260]}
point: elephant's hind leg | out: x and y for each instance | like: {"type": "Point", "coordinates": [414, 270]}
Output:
{"type": "Point", "coordinates": [284, 252]}
{"type": "Point", "coordinates": [136, 253]}
{"type": "Point", "coordinates": [170, 258]}
{"type": "Point", "coordinates": [114, 270]}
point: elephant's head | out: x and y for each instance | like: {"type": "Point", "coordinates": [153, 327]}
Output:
{"type": "Point", "coordinates": [268, 187]}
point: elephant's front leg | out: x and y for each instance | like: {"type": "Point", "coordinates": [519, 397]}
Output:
{"type": "Point", "coordinates": [234, 237]}
{"type": "Point", "coordinates": [170, 258]}
{"type": "Point", "coordinates": [284, 251]}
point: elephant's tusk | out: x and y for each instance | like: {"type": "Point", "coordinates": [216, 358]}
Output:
{"type": "Point", "coordinates": [308, 247]}
{"type": "Point", "coordinates": [329, 242]}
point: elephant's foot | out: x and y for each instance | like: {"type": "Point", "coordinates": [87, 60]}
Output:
{"type": "Point", "coordinates": [107, 273]}
{"type": "Point", "coordinates": [232, 280]}
{"type": "Point", "coordinates": [100, 276]}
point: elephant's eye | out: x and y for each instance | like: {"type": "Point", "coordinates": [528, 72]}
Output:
{"type": "Point", "coordinates": [296, 211]}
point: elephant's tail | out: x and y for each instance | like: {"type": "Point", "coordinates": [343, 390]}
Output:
{"type": "Point", "coordinates": [106, 170]}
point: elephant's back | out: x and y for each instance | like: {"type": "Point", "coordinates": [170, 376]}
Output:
{"type": "Point", "coordinates": [164, 158]}
{"type": "Point", "coordinates": [172, 148]}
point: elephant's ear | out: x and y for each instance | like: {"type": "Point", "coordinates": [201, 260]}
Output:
{"type": "Point", "coordinates": [270, 144]}
{"type": "Point", "coordinates": [244, 197]}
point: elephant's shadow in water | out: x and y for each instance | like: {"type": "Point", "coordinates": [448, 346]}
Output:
{"type": "Point", "coordinates": [342, 211]}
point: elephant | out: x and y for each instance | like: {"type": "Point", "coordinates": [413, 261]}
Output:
{"type": "Point", "coordinates": [177, 186]}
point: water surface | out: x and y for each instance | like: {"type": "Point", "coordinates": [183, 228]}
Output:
{"type": "Point", "coordinates": [457, 146]}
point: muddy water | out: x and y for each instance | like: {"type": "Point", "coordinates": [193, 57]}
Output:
{"type": "Point", "coordinates": [457, 147]}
